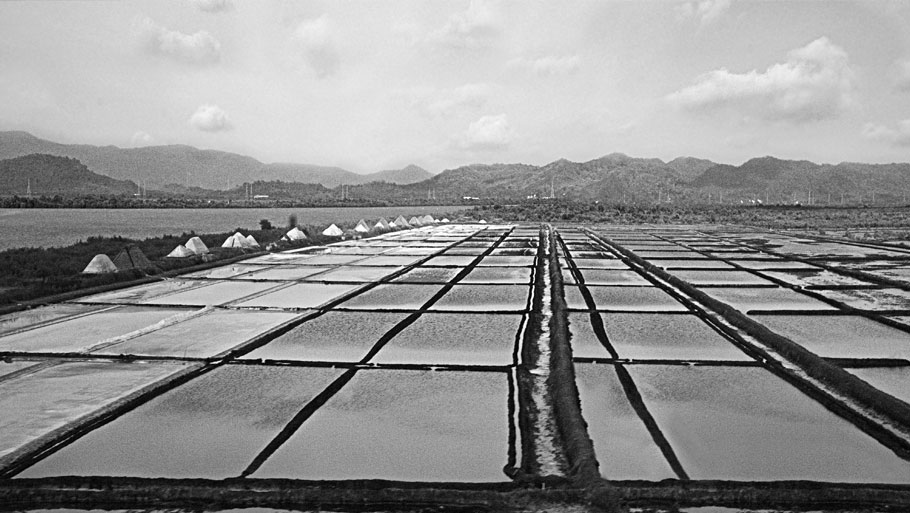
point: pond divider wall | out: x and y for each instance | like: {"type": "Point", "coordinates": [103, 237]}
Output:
{"type": "Point", "coordinates": [827, 373]}
{"type": "Point", "coordinates": [583, 468]}
{"type": "Point", "coordinates": [529, 354]}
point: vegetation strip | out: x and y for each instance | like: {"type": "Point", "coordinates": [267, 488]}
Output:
{"type": "Point", "coordinates": [625, 379]}
{"type": "Point", "coordinates": [583, 466]}
{"type": "Point", "coordinates": [883, 405]}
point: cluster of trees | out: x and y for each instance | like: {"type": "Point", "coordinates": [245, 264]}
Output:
{"type": "Point", "coordinates": [783, 217]}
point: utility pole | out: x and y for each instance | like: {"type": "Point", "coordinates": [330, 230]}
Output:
{"type": "Point", "coordinates": [28, 190]}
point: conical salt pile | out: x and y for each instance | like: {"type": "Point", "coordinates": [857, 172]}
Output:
{"type": "Point", "coordinates": [180, 252]}
{"type": "Point", "coordinates": [401, 222]}
{"type": "Point", "coordinates": [428, 219]}
{"type": "Point", "coordinates": [445, 220]}
{"type": "Point", "coordinates": [414, 221]}
{"type": "Point", "coordinates": [99, 265]}
{"type": "Point", "coordinates": [295, 234]}
{"type": "Point", "coordinates": [197, 246]}
{"type": "Point", "coordinates": [232, 242]}
{"type": "Point", "coordinates": [252, 241]}
{"type": "Point", "coordinates": [333, 231]}
{"type": "Point", "coordinates": [382, 224]}
{"type": "Point", "coordinates": [362, 227]}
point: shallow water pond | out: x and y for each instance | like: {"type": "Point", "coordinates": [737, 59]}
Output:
{"type": "Point", "coordinates": [217, 293]}
{"type": "Point", "coordinates": [428, 275]}
{"type": "Point", "coordinates": [622, 443]}
{"type": "Point", "coordinates": [508, 275]}
{"type": "Point", "coordinates": [331, 337]}
{"type": "Point", "coordinates": [744, 423]}
{"type": "Point", "coordinates": [650, 299]}
{"type": "Point", "coordinates": [454, 339]}
{"type": "Point", "coordinates": [387, 261]}
{"type": "Point", "coordinates": [358, 274]}
{"type": "Point", "coordinates": [142, 293]}
{"type": "Point", "coordinates": [225, 271]}
{"type": "Point", "coordinates": [599, 263]}
{"type": "Point", "coordinates": [746, 299]}
{"type": "Point", "coordinates": [36, 404]}
{"type": "Point", "coordinates": [204, 336]}
{"type": "Point", "coordinates": [692, 264]}
{"type": "Point", "coordinates": [643, 336]}
{"type": "Point", "coordinates": [819, 277]}
{"type": "Point", "coordinates": [841, 336]}
{"type": "Point", "coordinates": [485, 298]}
{"type": "Point", "coordinates": [301, 295]}
{"type": "Point", "coordinates": [773, 264]}
{"type": "Point", "coordinates": [449, 261]}
{"type": "Point", "coordinates": [873, 299]}
{"type": "Point", "coordinates": [393, 297]}
{"type": "Point", "coordinates": [403, 425]}
{"type": "Point", "coordinates": [611, 277]}
{"type": "Point", "coordinates": [720, 278]}
{"type": "Point", "coordinates": [284, 273]}
{"type": "Point", "coordinates": [79, 333]}
{"type": "Point", "coordinates": [43, 314]}
{"type": "Point", "coordinates": [211, 427]}
{"type": "Point", "coordinates": [506, 261]}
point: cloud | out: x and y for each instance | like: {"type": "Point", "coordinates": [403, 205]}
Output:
{"type": "Point", "coordinates": [705, 11]}
{"type": "Point", "coordinates": [199, 48]}
{"type": "Point", "coordinates": [816, 82]}
{"type": "Point", "coordinates": [902, 82]}
{"type": "Point", "coordinates": [141, 138]}
{"type": "Point", "coordinates": [211, 118]}
{"type": "Point", "coordinates": [487, 133]}
{"type": "Point", "coordinates": [314, 42]}
{"type": "Point", "coordinates": [474, 28]}
{"type": "Point", "coordinates": [548, 64]}
{"type": "Point", "coordinates": [449, 102]}
{"type": "Point", "coordinates": [213, 5]}
{"type": "Point", "coordinates": [899, 136]}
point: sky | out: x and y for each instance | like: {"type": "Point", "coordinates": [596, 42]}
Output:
{"type": "Point", "coordinates": [372, 85]}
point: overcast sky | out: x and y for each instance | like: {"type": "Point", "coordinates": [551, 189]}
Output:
{"type": "Point", "coordinates": [374, 85]}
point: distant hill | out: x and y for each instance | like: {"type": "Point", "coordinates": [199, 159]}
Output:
{"type": "Point", "coordinates": [50, 175]}
{"type": "Point", "coordinates": [157, 166]}
{"type": "Point", "coordinates": [406, 175]}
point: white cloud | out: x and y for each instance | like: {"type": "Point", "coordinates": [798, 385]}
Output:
{"type": "Point", "coordinates": [548, 64]}
{"type": "Point", "coordinates": [815, 82]}
{"type": "Point", "coordinates": [899, 136]}
{"type": "Point", "coordinates": [198, 48]}
{"type": "Point", "coordinates": [487, 133]}
{"type": "Point", "coordinates": [313, 40]}
{"type": "Point", "coordinates": [450, 102]}
{"type": "Point", "coordinates": [902, 82]}
{"type": "Point", "coordinates": [211, 118]}
{"type": "Point", "coordinates": [473, 28]}
{"type": "Point", "coordinates": [213, 5]}
{"type": "Point", "coordinates": [141, 138]}
{"type": "Point", "coordinates": [705, 11]}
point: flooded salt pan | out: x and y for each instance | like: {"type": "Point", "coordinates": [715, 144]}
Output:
{"type": "Point", "coordinates": [332, 337]}
{"type": "Point", "coordinates": [487, 298]}
{"type": "Point", "coordinates": [36, 404]}
{"type": "Point", "coordinates": [204, 336]}
{"type": "Point", "coordinates": [624, 299]}
{"type": "Point", "coordinates": [454, 339]}
{"type": "Point", "coordinates": [393, 297]}
{"type": "Point", "coordinates": [211, 427]}
{"type": "Point", "coordinates": [744, 423]}
{"type": "Point", "coordinates": [841, 336]}
{"type": "Point", "coordinates": [35, 316]}
{"type": "Point", "coordinates": [746, 299]}
{"type": "Point", "coordinates": [301, 295]}
{"type": "Point", "coordinates": [403, 425]}
{"type": "Point", "coordinates": [624, 448]}
{"type": "Point", "coordinates": [80, 333]}
{"type": "Point", "coordinates": [218, 293]}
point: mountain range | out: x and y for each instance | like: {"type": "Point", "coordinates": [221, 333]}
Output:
{"type": "Point", "coordinates": [157, 166]}
{"type": "Point", "coordinates": [614, 177]}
